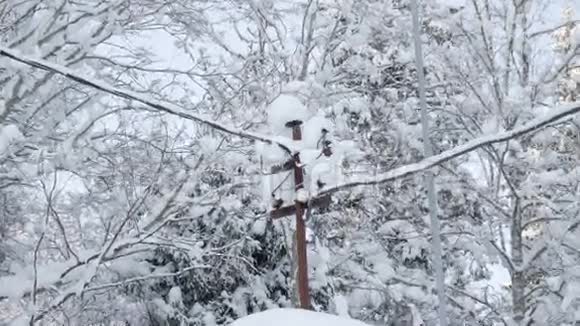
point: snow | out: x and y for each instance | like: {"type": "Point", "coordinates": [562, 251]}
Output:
{"type": "Point", "coordinates": [322, 171]}
{"type": "Point", "coordinates": [209, 319]}
{"type": "Point", "coordinates": [312, 130]}
{"type": "Point", "coordinates": [15, 286]}
{"type": "Point", "coordinates": [209, 145]}
{"type": "Point", "coordinates": [8, 134]}
{"type": "Point", "coordinates": [302, 195]}
{"type": "Point", "coordinates": [341, 305]}
{"type": "Point", "coordinates": [295, 317]}
{"type": "Point", "coordinates": [259, 227]}
{"type": "Point", "coordinates": [174, 296]}
{"type": "Point", "coordinates": [315, 129]}
{"type": "Point", "coordinates": [162, 106]}
{"type": "Point", "coordinates": [283, 109]}
{"type": "Point", "coordinates": [571, 298]}
{"type": "Point", "coordinates": [552, 116]}
{"type": "Point", "coordinates": [270, 154]}
{"type": "Point", "coordinates": [498, 280]}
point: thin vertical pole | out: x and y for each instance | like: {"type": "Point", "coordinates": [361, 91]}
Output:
{"type": "Point", "coordinates": [303, 288]}
{"type": "Point", "coordinates": [429, 180]}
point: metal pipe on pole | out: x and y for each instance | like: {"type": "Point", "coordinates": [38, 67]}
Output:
{"type": "Point", "coordinates": [429, 177]}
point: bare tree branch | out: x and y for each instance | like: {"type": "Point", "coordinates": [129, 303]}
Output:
{"type": "Point", "coordinates": [145, 278]}
{"type": "Point", "coordinates": [170, 108]}
{"type": "Point", "coordinates": [480, 301]}
{"type": "Point", "coordinates": [555, 28]}
{"type": "Point", "coordinates": [474, 144]}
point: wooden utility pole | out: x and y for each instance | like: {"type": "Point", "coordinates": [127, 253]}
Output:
{"type": "Point", "coordinates": [298, 209]}
{"type": "Point", "coordinates": [303, 288]}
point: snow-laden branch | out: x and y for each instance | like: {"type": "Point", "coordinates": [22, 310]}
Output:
{"type": "Point", "coordinates": [286, 144]}
{"type": "Point", "coordinates": [147, 277]}
{"type": "Point", "coordinates": [170, 108]}
{"type": "Point", "coordinates": [406, 170]}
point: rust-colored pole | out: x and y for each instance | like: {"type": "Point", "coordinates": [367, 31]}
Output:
{"type": "Point", "coordinates": [303, 288]}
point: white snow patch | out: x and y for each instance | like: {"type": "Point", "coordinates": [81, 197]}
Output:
{"type": "Point", "coordinates": [309, 235]}
{"type": "Point", "coordinates": [21, 321]}
{"type": "Point", "coordinates": [474, 166]}
{"type": "Point", "coordinates": [312, 131]}
{"type": "Point", "coordinates": [175, 297]}
{"type": "Point", "coordinates": [209, 145]}
{"type": "Point", "coordinates": [259, 227]}
{"type": "Point", "coordinates": [270, 153]}
{"type": "Point", "coordinates": [209, 319]}
{"type": "Point", "coordinates": [570, 295]}
{"type": "Point", "coordinates": [341, 305]}
{"type": "Point", "coordinates": [322, 172]}
{"type": "Point", "coordinates": [283, 109]}
{"type": "Point", "coordinates": [498, 281]}
{"type": "Point", "coordinates": [490, 127]}
{"type": "Point", "coordinates": [295, 317]}
{"type": "Point", "coordinates": [363, 299]}
{"type": "Point", "coordinates": [417, 320]}
{"type": "Point", "coordinates": [15, 286]}
{"type": "Point", "coordinates": [8, 134]}
{"type": "Point", "coordinates": [302, 195]}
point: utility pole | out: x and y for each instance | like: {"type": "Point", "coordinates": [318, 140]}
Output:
{"type": "Point", "coordinates": [298, 209]}
{"type": "Point", "coordinates": [301, 253]}
{"type": "Point", "coordinates": [429, 180]}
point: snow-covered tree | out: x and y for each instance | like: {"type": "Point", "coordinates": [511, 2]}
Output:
{"type": "Point", "coordinates": [132, 180]}
{"type": "Point", "coordinates": [508, 78]}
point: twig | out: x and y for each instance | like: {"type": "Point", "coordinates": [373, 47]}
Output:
{"type": "Point", "coordinates": [144, 278]}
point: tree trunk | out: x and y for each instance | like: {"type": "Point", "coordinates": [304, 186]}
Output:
{"type": "Point", "coordinates": [517, 275]}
